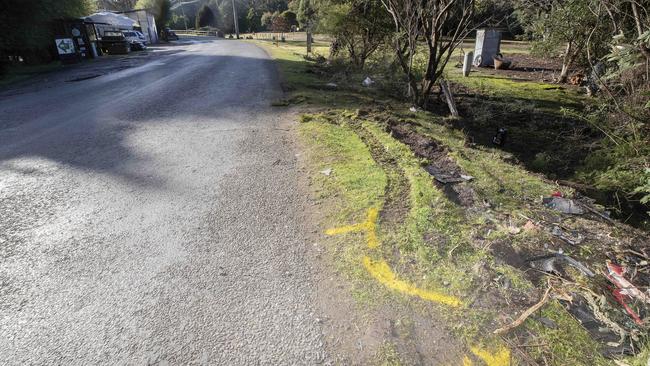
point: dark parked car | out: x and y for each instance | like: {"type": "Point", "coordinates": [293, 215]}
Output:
{"type": "Point", "coordinates": [114, 42]}
{"type": "Point", "coordinates": [169, 35]}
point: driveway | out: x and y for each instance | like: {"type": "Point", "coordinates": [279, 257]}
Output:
{"type": "Point", "coordinates": [155, 215]}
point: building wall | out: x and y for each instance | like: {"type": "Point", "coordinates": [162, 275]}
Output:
{"type": "Point", "coordinates": [147, 23]}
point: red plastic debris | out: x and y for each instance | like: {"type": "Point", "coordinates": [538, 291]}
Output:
{"type": "Point", "coordinates": [620, 298]}
{"type": "Point", "coordinates": [615, 274]}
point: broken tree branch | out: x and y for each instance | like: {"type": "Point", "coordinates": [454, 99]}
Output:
{"type": "Point", "coordinates": [449, 98]}
{"type": "Point", "coordinates": [525, 314]}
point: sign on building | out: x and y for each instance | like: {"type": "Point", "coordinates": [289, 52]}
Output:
{"type": "Point", "coordinates": [65, 46]}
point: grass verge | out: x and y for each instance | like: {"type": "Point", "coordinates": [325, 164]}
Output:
{"type": "Point", "coordinates": [438, 245]}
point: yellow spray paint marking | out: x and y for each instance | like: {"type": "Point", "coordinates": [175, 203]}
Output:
{"type": "Point", "coordinates": [382, 273]}
{"type": "Point", "coordinates": [380, 269]}
{"type": "Point", "coordinates": [500, 358]}
{"type": "Point", "coordinates": [369, 227]}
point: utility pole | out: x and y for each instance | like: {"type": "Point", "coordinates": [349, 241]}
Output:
{"type": "Point", "coordinates": [234, 14]}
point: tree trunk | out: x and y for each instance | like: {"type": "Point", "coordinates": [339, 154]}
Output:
{"type": "Point", "coordinates": [566, 63]}
{"type": "Point", "coordinates": [335, 47]}
{"type": "Point", "coordinates": [309, 39]}
{"type": "Point", "coordinates": [637, 18]}
{"type": "Point", "coordinates": [402, 52]}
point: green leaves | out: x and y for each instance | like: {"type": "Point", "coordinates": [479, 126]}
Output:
{"type": "Point", "coordinates": [645, 188]}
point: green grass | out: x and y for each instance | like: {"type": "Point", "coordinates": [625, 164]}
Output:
{"type": "Point", "coordinates": [448, 264]}
{"type": "Point", "coordinates": [558, 346]}
{"type": "Point", "coordinates": [355, 185]}
{"type": "Point", "coordinates": [356, 181]}
{"type": "Point", "coordinates": [548, 97]}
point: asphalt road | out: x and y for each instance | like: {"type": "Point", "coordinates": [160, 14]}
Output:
{"type": "Point", "coordinates": [154, 216]}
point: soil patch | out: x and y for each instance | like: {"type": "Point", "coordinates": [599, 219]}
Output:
{"type": "Point", "coordinates": [396, 205]}
{"type": "Point", "coordinates": [447, 174]}
{"type": "Point", "coordinates": [530, 68]}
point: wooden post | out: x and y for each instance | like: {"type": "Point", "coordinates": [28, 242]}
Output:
{"type": "Point", "coordinates": [309, 39]}
{"type": "Point", "coordinates": [449, 97]}
{"type": "Point", "coordinates": [467, 63]}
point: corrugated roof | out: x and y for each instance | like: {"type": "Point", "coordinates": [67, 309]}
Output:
{"type": "Point", "coordinates": [112, 19]}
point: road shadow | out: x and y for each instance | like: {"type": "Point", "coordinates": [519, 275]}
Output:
{"type": "Point", "coordinates": [94, 125]}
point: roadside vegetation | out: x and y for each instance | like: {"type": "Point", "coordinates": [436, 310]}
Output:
{"type": "Point", "coordinates": [504, 214]}
{"type": "Point", "coordinates": [380, 145]}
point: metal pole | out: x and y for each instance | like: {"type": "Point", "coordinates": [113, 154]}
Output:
{"type": "Point", "coordinates": [234, 14]}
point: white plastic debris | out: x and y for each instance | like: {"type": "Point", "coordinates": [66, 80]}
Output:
{"type": "Point", "coordinates": [413, 109]}
{"type": "Point", "coordinates": [563, 205]}
{"type": "Point", "coordinates": [367, 82]}
{"type": "Point", "coordinates": [326, 172]}
{"type": "Point", "coordinates": [332, 85]}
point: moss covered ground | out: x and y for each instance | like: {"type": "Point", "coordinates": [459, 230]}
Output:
{"type": "Point", "coordinates": [433, 244]}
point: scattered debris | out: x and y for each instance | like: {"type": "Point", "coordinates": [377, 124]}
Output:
{"type": "Point", "coordinates": [500, 137]}
{"type": "Point", "coordinates": [616, 275]}
{"type": "Point", "coordinates": [621, 299]}
{"type": "Point", "coordinates": [413, 109]}
{"type": "Point", "coordinates": [442, 176]}
{"type": "Point", "coordinates": [604, 216]}
{"type": "Point", "coordinates": [514, 230]}
{"type": "Point", "coordinates": [525, 314]}
{"type": "Point", "coordinates": [599, 327]}
{"type": "Point", "coordinates": [573, 238]}
{"type": "Point", "coordinates": [577, 79]}
{"type": "Point", "coordinates": [326, 172]}
{"type": "Point", "coordinates": [564, 205]}
{"type": "Point", "coordinates": [367, 82]}
{"type": "Point", "coordinates": [548, 323]}
{"type": "Point", "coordinates": [552, 263]}
{"type": "Point", "coordinates": [331, 85]}
{"type": "Point", "coordinates": [530, 226]}
{"type": "Point", "coordinates": [501, 63]}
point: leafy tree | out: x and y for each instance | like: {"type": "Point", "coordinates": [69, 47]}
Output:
{"type": "Point", "coordinates": [290, 17]}
{"type": "Point", "coordinates": [268, 5]}
{"type": "Point", "coordinates": [280, 24]}
{"type": "Point", "coordinates": [227, 18]}
{"type": "Point", "coordinates": [205, 17]}
{"type": "Point", "coordinates": [116, 5]}
{"type": "Point", "coordinates": [253, 20]}
{"type": "Point", "coordinates": [160, 10]}
{"type": "Point", "coordinates": [306, 13]}
{"type": "Point", "coordinates": [498, 14]}
{"type": "Point", "coordinates": [442, 25]}
{"type": "Point", "coordinates": [359, 26]}
{"type": "Point", "coordinates": [553, 25]}
{"type": "Point", "coordinates": [179, 21]}
{"type": "Point", "coordinates": [267, 19]}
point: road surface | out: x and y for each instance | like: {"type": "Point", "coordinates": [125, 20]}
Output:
{"type": "Point", "coordinates": [154, 216]}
